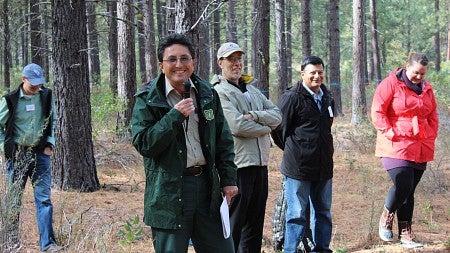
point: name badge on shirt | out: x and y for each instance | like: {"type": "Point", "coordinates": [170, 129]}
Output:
{"type": "Point", "coordinates": [30, 108]}
{"type": "Point", "coordinates": [330, 111]}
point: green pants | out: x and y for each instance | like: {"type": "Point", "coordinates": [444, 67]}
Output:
{"type": "Point", "coordinates": [198, 224]}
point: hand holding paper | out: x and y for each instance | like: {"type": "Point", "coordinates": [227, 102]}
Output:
{"type": "Point", "coordinates": [225, 216]}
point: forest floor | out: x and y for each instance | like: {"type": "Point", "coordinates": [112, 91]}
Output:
{"type": "Point", "coordinates": [90, 222]}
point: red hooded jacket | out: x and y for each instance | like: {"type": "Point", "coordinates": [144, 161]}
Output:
{"type": "Point", "coordinates": [406, 123]}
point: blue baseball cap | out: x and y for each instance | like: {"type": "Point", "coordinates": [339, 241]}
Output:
{"type": "Point", "coordinates": [34, 73]}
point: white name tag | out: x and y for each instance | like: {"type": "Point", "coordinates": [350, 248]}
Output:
{"type": "Point", "coordinates": [30, 108]}
{"type": "Point", "coordinates": [330, 111]}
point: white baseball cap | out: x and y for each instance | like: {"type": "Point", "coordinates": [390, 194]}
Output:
{"type": "Point", "coordinates": [227, 49]}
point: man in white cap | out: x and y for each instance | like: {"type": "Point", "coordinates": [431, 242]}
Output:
{"type": "Point", "coordinates": [251, 117]}
{"type": "Point", "coordinates": [26, 139]}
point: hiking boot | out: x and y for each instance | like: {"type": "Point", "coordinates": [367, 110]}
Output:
{"type": "Point", "coordinates": [385, 225]}
{"type": "Point", "coordinates": [406, 236]}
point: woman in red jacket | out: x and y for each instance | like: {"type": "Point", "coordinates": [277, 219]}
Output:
{"type": "Point", "coordinates": [404, 113]}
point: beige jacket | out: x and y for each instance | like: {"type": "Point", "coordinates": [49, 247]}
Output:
{"type": "Point", "coordinates": [251, 137]}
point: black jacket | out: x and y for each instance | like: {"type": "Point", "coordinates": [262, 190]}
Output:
{"type": "Point", "coordinates": [305, 134]}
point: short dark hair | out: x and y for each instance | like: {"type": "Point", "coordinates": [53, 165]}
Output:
{"type": "Point", "coordinates": [314, 60]}
{"type": "Point", "coordinates": [171, 39]}
{"type": "Point", "coordinates": [420, 58]}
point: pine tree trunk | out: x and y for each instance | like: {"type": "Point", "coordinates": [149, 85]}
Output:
{"type": "Point", "coordinates": [35, 33]}
{"type": "Point", "coordinates": [141, 41]}
{"type": "Point", "coordinates": [260, 43]}
{"type": "Point", "coordinates": [245, 34]}
{"type": "Point", "coordinates": [215, 42]}
{"type": "Point", "coordinates": [375, 47]}
{"type": "Point", "coordinates": [93, 52]}
{"type": "Point", "coordinates": [334, 73]}
{"type": "Point", "coordinates": [280, 45]}
{"type": "Point", "coordinates": [151, 62]}
{"type": "Point", "coordinates": [25, 33]}
{"type": "Point", "coordinates": [231, 29]}
{"type": "Point", "coordinates": [161, 14]}
{"type": "Point", "coordinates": [73, 164]}
{"type": "Point", "coordinates": [359, 106]}
{"type": "Point", "coordinates": [288, 15]}
{"type": "Point", "coordinates": [7, 61]}
{"type": "Point", "coordinates": [112, 45]}
{"type": "Point", "coordinates": [306, 28]}
{"type": "Point", "coordinates": [126, 70]}
{"type": "Point", "coordinates": [437, 40]}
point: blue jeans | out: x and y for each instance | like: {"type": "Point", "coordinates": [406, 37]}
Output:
{"type": "Point", "coordinates": [298, 193]}
{"type": "Point", "coordinates": [36, 166]}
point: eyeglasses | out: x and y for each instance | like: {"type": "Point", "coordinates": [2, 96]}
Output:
{"type": "Point", "coordinates": [174, 60]}
{"type": "Point", "coordinates": [232, 59]}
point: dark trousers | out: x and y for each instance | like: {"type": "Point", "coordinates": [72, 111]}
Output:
{"type": "Point", "coordinates": [247, 209]}
{"type": "Point", "coordinates": [400, 197]}
{"type": "Point", "coordinates": [197, 224]}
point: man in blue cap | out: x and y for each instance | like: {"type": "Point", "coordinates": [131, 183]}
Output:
{"type": "Point", "coordinates": [26, 139]}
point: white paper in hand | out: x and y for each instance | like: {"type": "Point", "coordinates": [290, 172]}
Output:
{"type": "Point", "coordinates": [225, 216]}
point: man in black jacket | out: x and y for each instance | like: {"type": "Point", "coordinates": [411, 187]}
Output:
{"type": "Point", "coordinates": [307, 166]}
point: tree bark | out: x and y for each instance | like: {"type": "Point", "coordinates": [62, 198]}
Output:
{"type": "Point", "coordinates": [437, 39]}
{"type": "Point", "coordinates": [260, 44]}
{"type": "Point", "coordinates": [112, 45]}
{"type": "Point", "coordinates": [93, 52]}
{"type": "Point", "coordinates": [243, 43]}
{"type": "Point", "coordinates": [215, 42]}
{"type": "Point", "coordinates": [288, 15]}
{"type": "Point", "coordinates": [161, 14]}
{"type": "Point", "coordinates": [7, 61]}
{"type": "Point", "coordinates": [280, 45]}
{"type": "Point", "coordinates": [334, 73]}
{"type": "Point", "coordinates": [141, 40]}
{"type": "Point", "coordinates": [24, 34]}
{"type": "Point", "coordinates": [172, 15]}
{"type": "Point", "coordinates": [306, 28]}
{"type": "Point", "coordinates": [375, 47]}
{"type": "Point", "coordinates": [45, 51]}
{"type": "Point", "coordinates": [231, 29]}
{"type": "Point", "coordinates": [126, 70]}
{"type": "Point", "coordinates": [448, 34]}
{"type": "Point", "coordinates": [73, 165]}
{"type": "Point", "coordinates": [151, 62]}
{"type": "Point", "coordinates": [35, 33]}
{"type": "Point", "coordinates": [359, 107]}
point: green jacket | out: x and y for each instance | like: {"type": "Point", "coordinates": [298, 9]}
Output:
{"type": "Point", "coordinates": [158, 135]}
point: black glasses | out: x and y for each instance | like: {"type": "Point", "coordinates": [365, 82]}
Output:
{"type": "Point", "coordinates": [232, 59]}
{"type": "Point", "coordinates": [174, 60]}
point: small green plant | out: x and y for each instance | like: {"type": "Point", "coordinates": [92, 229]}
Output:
{"type": "Point", "coordinates": [341, 249]}
{"type": "Point", "coordinates": [447, 243]}
{"type": "Point", "coordinates": [132, 231]}
{"type": "Point", "coordinates": [351, 162]}
{"type": "Point", "coordinates": [428, 210]}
